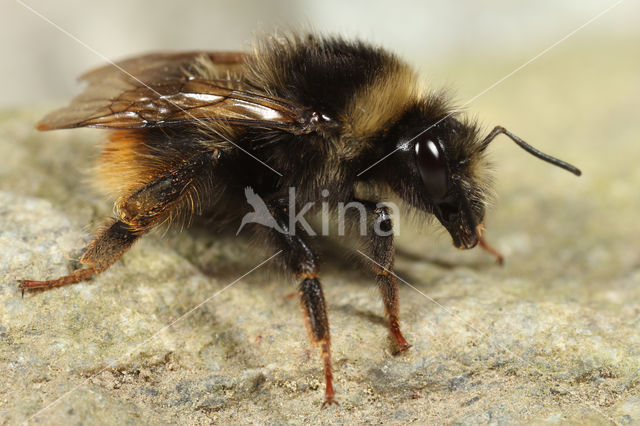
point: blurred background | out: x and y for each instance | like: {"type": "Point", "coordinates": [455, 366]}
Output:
{"type": "Point", "coordinates": [41, 61]}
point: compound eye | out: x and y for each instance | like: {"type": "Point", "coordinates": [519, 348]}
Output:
{"type": "Point", "coordinates": [432, 166]}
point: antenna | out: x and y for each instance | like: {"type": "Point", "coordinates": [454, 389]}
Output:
{"type": "Point", "coordinates": [531, 150]}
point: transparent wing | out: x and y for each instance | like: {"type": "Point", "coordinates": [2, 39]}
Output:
{"type": "Point", "coordinates": [160, 89]}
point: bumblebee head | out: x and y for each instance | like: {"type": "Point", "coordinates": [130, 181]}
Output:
{"type": "Point", "coordinates": [440, 168]}
{"type": "Point", "coordinates": [439, 165]}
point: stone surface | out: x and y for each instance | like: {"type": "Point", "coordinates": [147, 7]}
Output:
{"type": "Point", "coordinates": [161, 337]}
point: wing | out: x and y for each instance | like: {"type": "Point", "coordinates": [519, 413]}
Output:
{"type": "Point", "coordinates": [163, 89]}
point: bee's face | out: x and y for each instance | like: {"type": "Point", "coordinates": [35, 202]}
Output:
{"type": "Point", "coordinates": [439, 177]}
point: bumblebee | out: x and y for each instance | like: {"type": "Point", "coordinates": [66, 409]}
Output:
{"type": "Point", "coordinates": [191, 132]}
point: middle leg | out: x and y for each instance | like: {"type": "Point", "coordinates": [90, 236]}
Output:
{"type": "Point", "coordinates": [301, 261]}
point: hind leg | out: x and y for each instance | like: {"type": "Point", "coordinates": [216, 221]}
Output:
{"type": "Point", "coordinates": [105, 249]}
{"type": "Point", "coordinates": [169, 195]}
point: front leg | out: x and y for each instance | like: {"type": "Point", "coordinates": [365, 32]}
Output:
{"type": "Point", "coordinates": [380, 234]}
{"type": "Point", "coordinates": [301, 261]}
